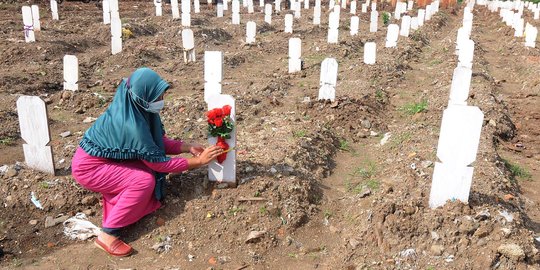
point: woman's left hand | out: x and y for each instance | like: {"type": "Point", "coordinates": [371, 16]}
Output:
{"type": "Point", "coordinates": [196, 149]}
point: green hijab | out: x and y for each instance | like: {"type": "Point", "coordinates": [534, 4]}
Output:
{"type": "Point", "coordinates": [126, 130]}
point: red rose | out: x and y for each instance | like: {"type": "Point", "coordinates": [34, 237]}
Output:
{"type": "Point", "coordinates": [218, 122]}
{"type": "Point", "coordinates": [227, 110]}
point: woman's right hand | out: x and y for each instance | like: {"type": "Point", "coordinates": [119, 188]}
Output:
{"type": "Point", "coordinates": [209, 154]}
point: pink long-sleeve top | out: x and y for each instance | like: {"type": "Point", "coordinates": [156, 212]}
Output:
{"type": "Point", "coordinates": [172, 147]}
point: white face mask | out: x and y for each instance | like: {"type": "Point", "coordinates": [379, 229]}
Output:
{"type": "Point", "coordinates": [155, 107]}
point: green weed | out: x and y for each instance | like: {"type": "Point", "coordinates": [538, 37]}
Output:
{"type": "Point", "coordinates": [6, 141]}
{"type": "Point", "coordinates": [299, 134]}
{"type": "Point", "coordinates": [386, 18]}
{"type": "Point", "coordinates": [344, 145]}
{"type": "Point", "coordinates": [414, 108]}
{"type": "Point", "coordinates": [235, 210]}
{"type": "Point", "coordinates": [516, 171]}
{"type": "Point", "coordinates": [263, 210]}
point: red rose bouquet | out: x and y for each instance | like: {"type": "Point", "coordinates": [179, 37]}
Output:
{"type": "Point", "coordinates": [220, 125]}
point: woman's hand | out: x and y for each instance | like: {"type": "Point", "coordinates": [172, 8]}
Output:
{"type": "Point", "coordinates": [205, 157]}
{"type": "Point", "coordinates": [196, 149]}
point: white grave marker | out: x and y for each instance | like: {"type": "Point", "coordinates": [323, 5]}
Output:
{"type": "Point", "coordinates": [225, 4]}
{"type": "Point", "coordinates": [373, 21]}
{"type": "Point", "coordinates": [364, 8]}
{"type": "Point", "coordinates": [35, 18]}
{"type": "Point", "coordinates": [405, 26]}
{"type": "Point", "coordinates": [461, 84]}
{"type": "Point", "coordinates": [295, 52]}
{"type": "Point", "coordinates": [213, 74]}
{"type": "Point", "coordinates": [261, 3]}
{"type": "Point", "coordinates": [113, 7]}
{"type": "Point", "coordinates": [530, 36]}
{"type": "Point", "coordinates": [250, 6]}
{"type": "Point", "coordinates": [328, 81]}
{"type": "Point", "coordinates": [317, 15]}
{"type": "Point", "coordinates": [331, 4]}
{"type": "Point", "coordinates": [373, 6]}
{"type": "Point", "coordinates": [107, 12]}
{"type": "Point", "coordinates": [466, 53]}
{"type": "Point", "coordinates": [251, 29]}
{"type": "Point", "coordinates": [343, 4]}
{"type": "Point", "coordinates": [188, 43]}
{"type": "Point", "coordinates": [410, 4]}
{"type": "Point", "coordinates": [116, 35]}
{"type": "Point", "coordinates": [392, 36]}
{"type": "Point", "coordinates": [226, 172]}
{"type": "Point", "coordinates": [219, 10]}
{"type": "Point", "coordinates": [196, 6]}
{"type": "Point", "coordinates": [174, 9]}
{"type": "Point", "coordinates": [353, 7]}
{"type": "Point", "coordinates": [414, 23]}
{"type": "Point", "coordinates": [288, 23]}
{"type": "Point", "coordinates": [518, 25]}
{"type": "Point", "coordinates": [458, 143]}
{"type": "Point", "coordinates": [421, 17]}
{"type": "Point", "coordinates": [333, 27]}
{"type": "Point", "coordinates": [355, 21]}
{"type": "Point", "coordinates": [370, 53]}
{"type": "Point", "coordinates": [157, 4]}
{"type": "Point", "coordinates": [235, 12]}
{"type": "Point", "coordinates": [306, 4]}
{"type": "Point", "coordinates": [54, 10]}
{"type": "Point", "coordinates": [35, 132]}
{"type": "Point", "coordinates": [268, 13]}
{"type": "Point", "coordinates": [278, 5]}
{"type": "Point", "coordinates": [297, 9]}
{"type": "Point", "coordinates": [28, 24]}
{"type": "Point", "coordinates": [71, 72]}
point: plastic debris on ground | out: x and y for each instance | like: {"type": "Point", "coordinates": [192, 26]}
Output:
{"type": "Point", "coordinates": [78, 227]}
{"type": "Point", "coordinates": [35, 200]}
{"type": "Point", "coordinates": [163, 246]}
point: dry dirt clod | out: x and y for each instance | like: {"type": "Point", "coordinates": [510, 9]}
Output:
{"type": "Point", "coordinates": [254, 235]}
{"type": "Point", "coordinates": [437, 250]}
{"type": "Point", "coordinates": [511, 251]}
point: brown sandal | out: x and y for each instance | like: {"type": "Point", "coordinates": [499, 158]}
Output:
{"type": "Point", "coordinates": [117, 248]}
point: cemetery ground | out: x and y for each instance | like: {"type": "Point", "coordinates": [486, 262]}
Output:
{"type": "Point", "coordinates": [341, 185]}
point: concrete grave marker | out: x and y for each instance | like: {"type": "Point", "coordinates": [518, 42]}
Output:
{"type": "Point", "coordinates": [196, 6]}
{"type": "Point", "coordinates": [261, 3]}
{"type": "Point", "coordinates": [71, 72]}
{"type": "Point", "coordinates": [35, 18]}
{"type": "Point", "coordinates": [373, 21]}
{"type": "Point", "coordinates": [458, 144]}
{"type": "Point", "coordinates": [224, 173]}
{"type": "Point", "coordinates": [462, 36]}
{"type": "Point", "coordinates": [225, 4]}
{"type": "Point", "coordinates": [235, 12]}
{"type": "Point", "coordinates": [34, 127]}
{"type": "Point", "coordinates": [392, 36]}
{"type": "Point", "coordinates": [414, 23]}
{"type": "Point", "coordinates": [355, 21]}
{"type": "Point", "coordinates": [295, 54]}
{"type": "Point", "coordinates": [530, 36]}
{"type": "Point", "coordinates": [343, 4]}
{"type": "Point", "coordinates": [363, 8]}
{"type": "Point", "coordinates": [297, 9]}
{"type": "Point", "coordinates": [466, 53]}
{"type": "Point", "coordinates": [421, 17]}
{"type": "Point", "coordinates": [106, 6]}
{"type": "Point", "coordinates": [250, 7]}
{"type": "Point", "coordinates": [213, 74]}
{"type": "Point", "coordinates": [536, 14]}
{"type": "Point", "coordinates": [306, 4]}
{"type": "Point", "coordinates": [461, 84]}
{"type": "Point", "coordinates": [518, 26]}
{"type": "Point", "coordinates": [54, 10]}
{"type": "Point", "coordinates": [28, 24]}
{"type": "Point", "coordinates": [317, 15]}
{"type": "Point", "coordinates": [186, 12]}
{"type": "Point", "coordinates": [328, 81]}
{"type": "Point", "coordinates": [333, 28]}
{"type": "Point", "coordinates": [175, 11]}
{"type": "Point", "coordinates": [373, 6]}
{"type": "Point", "coordinates": [188, 42]}
{"type": "Point", "coordinates": [251, 30]}
{"type": "Point", "coordinates": [370, 53]}
{"type": "Point", "coordinates": [268, 13]}
{"type": "Point", "coordinates": [353, 7]}
{"type": "Point", "coordinates": [410, 5]}
{"type": "Point", "coordinates": [113, 8]}
{"type": "Point", "coordinates": [157, 4]}
{"type": "Point", "coordinates": [116, 35]}
{"type": "Point", "coordinates": [331, 4]}
{"type": "Point", "coordinates": [219, 10]}
{"type": "Point", "coordinates": [405, 26]}
{"type": "Point", "coordinates": [288, 23]}
{"type": "Point", "coordinates": [277, 4]}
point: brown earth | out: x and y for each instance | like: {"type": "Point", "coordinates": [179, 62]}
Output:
{"type": "Point", "coordinates": [332, 196]}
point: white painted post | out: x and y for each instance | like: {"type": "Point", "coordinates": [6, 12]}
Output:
{"type": "Point", "coordinates": [461, 84]}
{"type": "Point", "coordinates": [113, 7]}
{"type": "Point", "coordinates": [462, 36]}
{"type": "Point", "coordinates": [458, 144]}
{"type": "Point", "coordinates": [196, 6]}
{"type": "Point", "coordinates": [235, 12]}
{"type": "Point", "coordinates": [373, 6]}
{"type": "Point", "coordinates": [116, 35]}
{"type": "Point", "coordinates": [421, 15]}
{"type": "Point", "coordinates": [353, 7]}
{"type": "Point", "coordinates": [343, 4]}
{"type": "Point", "coordinates": [34, 127]}
{"type": "Point", "coordinates": [54, 10]}
{"type": "Point", "coordinates": [333, 28]}
{"type": "Point", "coordinates": [392, 36]}
{"type": "Point", "coordinates": [364, 8]}
{"type": "Point", "coordinates": [466, 53]}
{"type": "Point", "coordinates": [213, 74]}
{"type": "Point", "coordinates": [224, 173]}
{"type": "Point", "coordinates": [410, 4]}
{"type": "Point", "coordinates": [261, 3]}
{"type": "Point", "coordinates": [219, 10]}
{"type": "Point", "coordinates": [225, 4]}
{"type": "Point", "coordinates": [328, 81]}
{"type": "Point", "coordinates": [175, 11]}
{"type": "Point", "coordinates": [188, 42]}
{"type": "Point", "coordinates": [414, 23]}
{"type": "Point", "coordinates": [370, 53]}
{"type": "Point", "coordinates": [306, 4]}
{"type": "Point", "coordinates": [186, 12]}
{"type": "Point", "coordinates": [35, 18]}
{"type": "Point", "coordinates": [250, 7]}
{"type": "Point", "coordinates": [530, 36]}
{"type": "Point", "coordinates": [295, 54]}
{"type": "Point", "coordinates": [71, 72]}
{"type": "Point", "coordinates": [28, 24]}
{"type": "Point", "coordinates": [268, 13]}
{"type": "Point", "coordinates": [405, 26]}
{"type": "Point", "coordinates": [317, 15]}
{"type": "Point", "coordinates": [373, 21]}
{"type": "Point", "coordinates": [297, 9]}
{"type": "Point", "coordinates": [278, 5]}
{"type": "Point", "coordinates": [251, 29]}
{"type": "Point", "coordinates": [518, 26]}
{"type": "Point", "coordinates": [288, 23]}
{"type": "Point", "coordinates": [355, 21]}
{"type": "Point", "coordinates": [331, 4]}
{"type": "Point", "coordinates": [157, 4]}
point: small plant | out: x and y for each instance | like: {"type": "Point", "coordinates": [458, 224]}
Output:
{"type": "Point", "coordinates": [263, 210]}
{"type": "Point", "coordinates": [414, 108]}
{"type": "Point", "coordinates": [235, 210]}
{"type": "Point", "coordinates": [516, 171]}
{"type": "Point", "coordinates": [344, 145]}
{"type": "Point", "coordinates": [44, 185]}
{"type": "Point", "coordinates": [380, 95]}
{"type": "Point", "coordinates": [327, 214]}
{"type": "Point", "coordinates": [299, 134]}
{"type": "Point", "coordinates": [257, 194]}
{"type": "Point", "coordinates": [386, 18]}
{"type": "Point", "coordinates": [373, 184]}
{"type": "Point", "coordinates": [6, 141]}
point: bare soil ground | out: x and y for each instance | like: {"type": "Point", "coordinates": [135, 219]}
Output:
{"type": "Point", "coordinates": [333, 196]}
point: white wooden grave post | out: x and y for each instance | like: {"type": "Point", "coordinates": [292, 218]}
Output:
{"type": "Point", "coordinates": [35, 18]}
{"type": "Point", "coordinates": [364, 7]}
{"type": "Point", "coordinates": [157, 4]}
{"type": "Point", "coordinates": [373, 6]}
{"type": "Point", "coordinates": [421, 17]}
{"type": "Point", "coordinates": [277, 4]}
{"type": "Point", "coordinates": [251, 29]}
{"type": "Point", "coordinates": [174, 9]}
{"type": "Point", "coordinates": [261, 3]}
{"type": "Point", "coordinates": [196, 6]}
{"type": "Point", "coordinates": [54, 10]}
{"type": "Point", "coordinates": [370, 53]}
{"type": "Point", "coordinates": [297, 9]}
{"type": "Point", "coordinates": [353, 7]}
{"type": "Point", "coordinates": [71, 72]}
{"type": "Point", "coordinates": [414, 23]}
{"type": "Point", "coordinates": [530, 36]}
{"type": "Point", "coordinates": [116, 35]}
{"type": "Point", "coordinates": [295, 54]}
{"type": "Point", "coordinates": [224, 173]}
{"type": "Point", "coordinates": [331, 4]}
{"type": "Point", "coordinates": [410, 4]}
{"type": "Point", "coordinates": [235, 12]}
{"type": "Point", "coordinates": [113, 8]}
{"type": "Point", "coordinates": [213, 74]}
{"type": "Point", "coordinates": [397, 11]}
{"type": "Point", "coordinates": [333, 27]}
{"type": "Point", "coordinates": [188, 43]}
{"type": "Point", "coordinates": [405, 26]}
{"type": "Point", "coordinates": [245, 3]}
{"type": "Point", "coordinates": [392, 36]}
{"type": "Point", "coordinates": [317, 15]}
{"type": "Point", "coordinates": [288, 23]}
{"type": "Point", "coordinates": [219, 10]}
{"type": "Point", "coordinates": [105, 5]}
{"type": "Point", "coordinates": [458, 143]}
{"type": "Point", "coordinates": [28, 24]}
{"type": "Point", "coordinates": [536, 14]}
{"type": "Point", "coordinates": [306, 4]}
{"type": "Point", "coordinates": [466, 53]}
{"type": "Point", "coordinates": [32, 114]}
{"type": "Point", "coordinates": [268, 13]}
{"type": "Point", "coordinates": [374, 21]}
{"type": "Point", "coordinates": [250, 6]}
{"type": "Point", "coordinates": [343, 4]}
{"type": "Point", "coordinates": [328, 81]}
{"type": "Point", "coordinates": [462, 36]}
{"type": "Point", "coordinates": [518, 26]}
{"type": "Point", "coordinates": [461, 84]}
{"type": "Point", "coordinates": [186, 13]}
{"type": "Point", "coordinates": [355, 21]}
{"type": "Point", "coordinates": [225, 4]}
